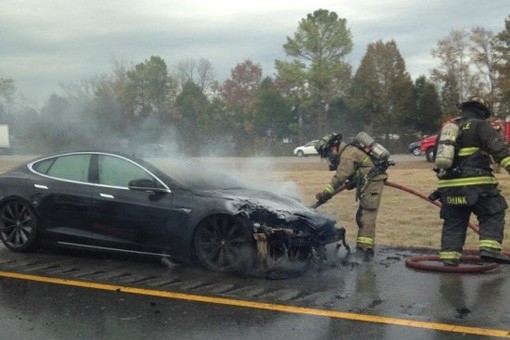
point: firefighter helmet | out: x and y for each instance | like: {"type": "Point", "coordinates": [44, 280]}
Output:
{"type": "Point", "coordinates": [323, 146]}
{"type": "Point", "coordinates": [479, 104]}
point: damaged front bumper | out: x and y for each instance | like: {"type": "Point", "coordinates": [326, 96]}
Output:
{"type": "Point", "coordinates": [282, 244]}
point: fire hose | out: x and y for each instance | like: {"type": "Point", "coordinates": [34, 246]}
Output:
{"type": "Point", "coordinates": [422, 262]}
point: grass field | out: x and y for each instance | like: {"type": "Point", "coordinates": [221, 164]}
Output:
{"type": "Point", "coordinates": [404, 220]}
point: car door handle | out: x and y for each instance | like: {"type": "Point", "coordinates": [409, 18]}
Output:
{"type": "Point", "coordinates": [106, 196]}
{"type": "Point", "coordinates": [40, 186]}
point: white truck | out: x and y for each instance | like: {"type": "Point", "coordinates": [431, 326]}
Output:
{"type": "Point", "coordinates": [5, 147]}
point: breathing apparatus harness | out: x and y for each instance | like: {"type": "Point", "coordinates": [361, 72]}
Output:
{"type": "Point", "coordinates": [379, 156]}
{"type": "Point", "coordinates": [377, 153]}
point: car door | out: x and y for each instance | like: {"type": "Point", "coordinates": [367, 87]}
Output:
{"type": "Point", "coordinates": [136, 220]}
{"type": "Point", "coordinates": [63, 196]}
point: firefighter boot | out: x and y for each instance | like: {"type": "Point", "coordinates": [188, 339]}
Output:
{"type": "Point", "coordinates": [489, 256]}
{"type": "Point", "coordinates": [451, 263]}
{"type": "Point", "coordinates": [360, 256]}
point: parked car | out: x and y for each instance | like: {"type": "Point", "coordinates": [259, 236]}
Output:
{"type": "Point", "coordinates": [306, 150]}
{"type": "Point", "coordinates": [414, 148]}
{"type": "Point", "coordinates": [427, 146]}
{"type": "Point", "coordinates": [106, 201]}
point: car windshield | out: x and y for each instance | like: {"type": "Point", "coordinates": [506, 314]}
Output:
{"type": "Point", "coordinates": [198, 176]}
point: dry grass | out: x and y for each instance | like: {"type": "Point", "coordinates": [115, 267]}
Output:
{"type": "Point", "coordinates": [404, 220]}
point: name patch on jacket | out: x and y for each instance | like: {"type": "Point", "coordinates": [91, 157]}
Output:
{"type": "Point", "coordinates": [456, 200]}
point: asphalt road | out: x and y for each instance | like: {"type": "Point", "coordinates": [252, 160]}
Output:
{"type": "Point", "coordinates": [79, 295]}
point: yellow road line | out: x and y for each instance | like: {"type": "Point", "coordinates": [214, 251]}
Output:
{"type": "Point", "coordinates": [264, 306]}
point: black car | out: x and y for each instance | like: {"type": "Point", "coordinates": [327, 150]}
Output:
{"type": "Point", "coordinates": [109, 201]}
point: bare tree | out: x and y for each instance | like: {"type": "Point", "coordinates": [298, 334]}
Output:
{"type": "Point", "coordinates": [485, 58]}
{"type": "Point", "coordinates": [199, 72]}
{"type": "Point", "coordinates": [453, 76]}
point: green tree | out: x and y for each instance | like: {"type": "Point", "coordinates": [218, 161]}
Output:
{"type": "Point", "coordinates": [190, 105]}
{"type": "Point", "coordinates": [428, 107]}
{"type": "Point", "coordinates": [318, 73]}
{"type": "Point", "coordinates": [381, 98]}
{"type": "Point", "coordinates": [272, 114]}
{"type": "Point", "coordinates": [152, 88]}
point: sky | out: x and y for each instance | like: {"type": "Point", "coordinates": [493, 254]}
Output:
{"type": "Point", "coordinates": [47, 43]}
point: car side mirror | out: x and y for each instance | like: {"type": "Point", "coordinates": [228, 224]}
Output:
{"type": "Point", "coordinates": [145, 184]}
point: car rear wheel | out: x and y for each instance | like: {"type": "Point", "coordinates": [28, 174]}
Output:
{"type": "Point", "coordinates": [18, 226]}
{"type": "Point", "coordinates": [225, 244]}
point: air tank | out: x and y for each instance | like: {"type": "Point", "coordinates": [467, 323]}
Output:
{"type": "Point", "coordinates": [375, 149]}
{"type": "Point", "coordinates": [446, 145]}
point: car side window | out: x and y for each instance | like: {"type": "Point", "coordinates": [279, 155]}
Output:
{"type": "Point", "coordinates": [71, 167]}
{"type": "Point", "coordinates": [119, 172]}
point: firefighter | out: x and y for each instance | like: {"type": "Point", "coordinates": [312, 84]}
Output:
{"type": "Point", "coordinates": [357, 169]}
{"type": "Point", "coordinates": [467, 185]}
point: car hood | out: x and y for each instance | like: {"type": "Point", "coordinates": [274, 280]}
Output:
{"type": "Point", "coordinates": [266, 207]}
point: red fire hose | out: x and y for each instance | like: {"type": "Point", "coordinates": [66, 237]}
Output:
{"type": "Point", "coordinates": [474, 263]}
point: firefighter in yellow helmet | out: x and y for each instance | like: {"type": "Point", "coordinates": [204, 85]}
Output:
{"type": "Point", "coordinates": [355, 166]}
{"type": "Point", "coordinates": [467, 185]}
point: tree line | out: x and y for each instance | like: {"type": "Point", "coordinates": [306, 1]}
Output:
{"type": "Point", "coordinates": [313, 92]}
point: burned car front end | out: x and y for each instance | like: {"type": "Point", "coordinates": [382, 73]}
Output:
{"type": "Point", "coordinates": [286, 231]}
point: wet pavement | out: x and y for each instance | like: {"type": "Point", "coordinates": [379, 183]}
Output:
{"type": "Point", "coordinates": [79, 295]}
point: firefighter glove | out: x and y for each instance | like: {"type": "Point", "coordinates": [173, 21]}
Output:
{"type": "Point", "coordinates": [434, 196]}
{"type": "Point", "coordinates": [323, 196]}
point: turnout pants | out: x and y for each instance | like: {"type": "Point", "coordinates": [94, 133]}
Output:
{"type": "Point", "coordinates": [366, 215]}
{"type": "Point", "coordinates": [488, 206]}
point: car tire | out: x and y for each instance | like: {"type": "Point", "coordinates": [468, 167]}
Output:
{"type": "Point", "coordinates": [416, 151]}
{"type": "Point", "coordinates": [225, 244]}
{"type": "Point", "coordinates": [429, 154]}
{"type": "Point", "coordinates": [18, 226]}
{"type": "Point", "coordinates": [300, 153]}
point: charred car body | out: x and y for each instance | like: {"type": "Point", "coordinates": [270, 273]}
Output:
{"type": "Point", "coordinates": [114, 202]}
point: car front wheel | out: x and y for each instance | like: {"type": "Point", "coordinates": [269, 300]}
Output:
{"type": "Point", "coordinates": [300, 153]}
{"type": "Point", "coordinates": [18, 226]}
{"type": "Point", "coordinates": [429, 154]}
{"type": "Point", "coordinates": [225, 244]}
{"type": "Point", "coordinates": [416, 151]}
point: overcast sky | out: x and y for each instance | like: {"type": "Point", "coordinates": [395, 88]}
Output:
{"type": "Point", "coordinates": [44, 43]}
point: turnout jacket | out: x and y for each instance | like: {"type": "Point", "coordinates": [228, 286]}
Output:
{"type": "Point", "coordinates": [477, 142]}
{"type": "Point", "coordinates": [354, 166]}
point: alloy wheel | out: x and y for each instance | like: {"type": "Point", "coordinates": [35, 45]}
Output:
{"type": "Point", "coordinates": [224, 244]}
{"type": "Point", "coordinates": [17, 226]}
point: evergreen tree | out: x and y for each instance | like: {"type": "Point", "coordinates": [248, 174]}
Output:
{"type": "Point", "coordinates": [318, 74]}
{"type": "Point", "coordinates": [381, 97]}
{"type": "Point", "coordinates": [428, 108]}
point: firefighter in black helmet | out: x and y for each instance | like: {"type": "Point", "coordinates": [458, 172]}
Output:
{"type": "Point", "coordinates": [469, 186]}
{"type": "Point", "coordinates": [355, 167]}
